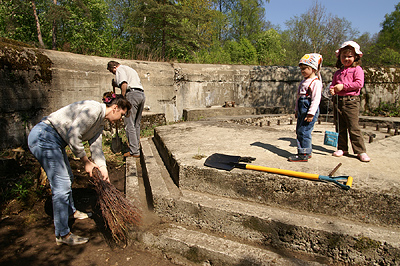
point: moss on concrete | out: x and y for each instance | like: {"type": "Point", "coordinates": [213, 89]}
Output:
{"type": "Point", "coordinates": [16, 55]}
{"type": "Point", "coordinates": [389, 76]}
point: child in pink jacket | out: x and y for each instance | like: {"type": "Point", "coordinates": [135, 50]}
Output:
{"type": "Point", "coordinates": [346, 86]}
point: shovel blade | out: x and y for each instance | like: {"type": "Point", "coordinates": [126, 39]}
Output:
{"type": "Point", "coordinates": [116, 144]}
{"type": "Point", "coordinates": [222, 161]}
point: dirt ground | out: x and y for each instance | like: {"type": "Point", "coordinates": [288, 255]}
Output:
{"type": "Point", "coordinates": [27, 234]}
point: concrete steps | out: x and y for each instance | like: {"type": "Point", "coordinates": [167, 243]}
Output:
{"type": "Point", "coordinates": [197, 248]}
{"type": "Point", "coordinates": [187, 239]}
{"type": "Point", "coordinates": [209, 229]}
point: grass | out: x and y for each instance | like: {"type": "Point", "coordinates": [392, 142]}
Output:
{"type": "Point", "coordinates": [19, 180]}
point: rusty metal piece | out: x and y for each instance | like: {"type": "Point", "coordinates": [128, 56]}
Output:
{"type": "Point", "coordinates": [335, 169]}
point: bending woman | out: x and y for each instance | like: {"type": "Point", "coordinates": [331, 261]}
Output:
{"type": "Point", "coordinates": [72, 125]}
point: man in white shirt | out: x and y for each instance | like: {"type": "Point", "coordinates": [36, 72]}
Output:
{"type": "Point", "coordinates": [127, 79]}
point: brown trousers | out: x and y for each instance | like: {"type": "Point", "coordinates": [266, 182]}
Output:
{"type": "Point", "coordinates": [346, 110]}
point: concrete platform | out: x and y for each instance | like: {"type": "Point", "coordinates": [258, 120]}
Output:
{"type": "Point", "coordinates": [319, 221]}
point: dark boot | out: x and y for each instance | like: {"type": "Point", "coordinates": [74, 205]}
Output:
{"type": "Point", "coordinates": [299, 158]}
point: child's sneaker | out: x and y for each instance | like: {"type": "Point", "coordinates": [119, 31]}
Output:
{"type": "Point", "coordinates": [340, 153]}
{"type": "Point", "coordinates": [363, 157]}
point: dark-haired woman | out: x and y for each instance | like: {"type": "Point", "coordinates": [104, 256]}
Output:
{"type": "Point", "coordinates": [72, 125]}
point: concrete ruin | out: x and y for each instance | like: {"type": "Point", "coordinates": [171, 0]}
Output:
{"type": "Point", "coordinates": [243, 217]}
{"type": "Point", "coordinates": [206, 216]}
{"type": "Point", "coordinates": [37, 82]}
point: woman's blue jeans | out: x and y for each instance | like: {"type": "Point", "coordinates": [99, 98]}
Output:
{"type": "Point", "coordinates": [49, 148]}
{"type": "Point", "coordinates": [304, 128]}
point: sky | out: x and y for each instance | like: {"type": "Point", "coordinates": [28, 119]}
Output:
{"type": "Point", "coordinates": [364, 15]}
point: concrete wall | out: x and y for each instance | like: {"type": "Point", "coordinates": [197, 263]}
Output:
{"type": "Point", "coordinates": [35, 83]}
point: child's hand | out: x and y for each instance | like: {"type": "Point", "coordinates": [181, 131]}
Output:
{"type": "Point", "coordinates": [309, 118]}
{"type": "Point", "coordinates": [338, 87]}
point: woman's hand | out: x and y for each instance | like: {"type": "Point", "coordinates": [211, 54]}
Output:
{"type": "Point", "coordinates": [89, 165]}
{"type": "Point", "coordinates": [104, 173]}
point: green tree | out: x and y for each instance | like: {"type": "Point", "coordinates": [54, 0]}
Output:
{"type": "Point", "coordinates": [389, 36]}
{"type": "Point", "coordinates": [169, 30]}
{"type": "Point", "coordinates": [38, 29]}
{"type": "Point", "coordinates": [17, 21]}
{"type": "Point", "coordinates": [246, 20]}
{"type": "Point", "coordinates": [269, 48]}
{"type": "Point", "coordinates": [214, 54]}
{"type": "Point", "coordinates": [85, 29]}
{"type": "Point", "coordinates": [315, 31]}
{"type": "Point", "coordinates": [242, 52]}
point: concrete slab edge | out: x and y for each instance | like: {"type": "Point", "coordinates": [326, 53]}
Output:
{"type": "Point", "coordinates": [259, 223]}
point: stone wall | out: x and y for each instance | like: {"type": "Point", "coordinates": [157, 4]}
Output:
{"type": "Point", "coordinates": [35, 83]}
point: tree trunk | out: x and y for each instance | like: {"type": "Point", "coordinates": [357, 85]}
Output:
{"type": "Point", "coordinates": [53, 31]}
{"type": "Point", "coordinates": [41, 44]}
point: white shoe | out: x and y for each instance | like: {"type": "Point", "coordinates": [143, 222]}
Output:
{"type": "Point", "coordinates": [81, 215]}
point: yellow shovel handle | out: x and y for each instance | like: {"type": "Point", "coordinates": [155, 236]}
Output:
{"type": "Point", "coordinates": [282, 172]}
{"type": "Point", "coordinates": [349, 181]}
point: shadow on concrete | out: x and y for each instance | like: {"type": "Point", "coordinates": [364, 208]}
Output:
{"type": "Point", "coordinates": [278, 151]}
{"type": "Point", "coordinates": [292, 143]}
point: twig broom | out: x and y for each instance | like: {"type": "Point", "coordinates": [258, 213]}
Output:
{"type": "Point", "coordinates": [119, 213]}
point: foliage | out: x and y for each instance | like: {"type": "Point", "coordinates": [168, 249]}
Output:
{"type": "Point", "coordinates": [167, 29]}
{"type": "Point", "coordinates": [16, 22]}
{"type": "Point", "coordinates": [19, 178]}
{"type": "Point", "coordinates": [389, 36]}
{"type": "Point", "coordinates": [85, 29]}
{"type": "Point", "coordinates": [196, 31]}
{"type": "Point", "coordinates": [242, 52]}
{"type": "Point", "coordinates": [215, 54]}
{"type": "Point", "coordinates": [385, 50]}
{"type": "Point", "coordinates": [387, 110]}
{"type": "Point", "coordinates": [315, 31]}
{"type": "Point", "coordinates": [269, 48]}
{"type": "Point", "coordinates": [245, 20]}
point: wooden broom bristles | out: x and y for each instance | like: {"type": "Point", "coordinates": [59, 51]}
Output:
{"type": "Point", "coordinates": [119, 213]}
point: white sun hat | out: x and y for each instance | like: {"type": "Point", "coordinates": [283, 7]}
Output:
{"type": "Point", "coordinates": [352, 44]}
{"type": "Point", "coordinates": [313, 60]}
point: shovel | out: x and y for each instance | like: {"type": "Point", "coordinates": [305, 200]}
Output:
{"type": "Point", "coordinates": [228, 162]}
{"type": "Point", "coordinates": [116, 142]}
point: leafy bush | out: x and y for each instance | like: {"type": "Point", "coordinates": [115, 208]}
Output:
{"type": "Point", "coordinates": [269, 48]}
{"type": "Point", "coordinates": [242, 52]}
{"type": "Point", "coordinates": [386, 109]}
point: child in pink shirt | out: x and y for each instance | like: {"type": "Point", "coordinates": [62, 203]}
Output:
{"type": "Point", "coordinates": [346, 86]}
{"type": "Point", "coordinates": [307, 105]}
